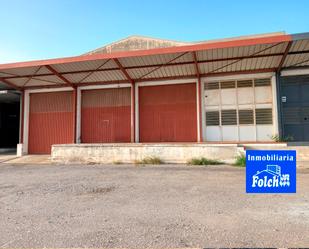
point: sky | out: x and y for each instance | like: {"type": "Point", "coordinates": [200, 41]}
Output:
{"type": "Point", "coordinates": [42, 29]}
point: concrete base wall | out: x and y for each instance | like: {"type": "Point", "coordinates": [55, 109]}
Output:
{"type": "Point", "coordinates": [129, 153]}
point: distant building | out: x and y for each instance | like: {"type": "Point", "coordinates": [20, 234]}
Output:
{"type": "Point", "coordinates": [133, 43]}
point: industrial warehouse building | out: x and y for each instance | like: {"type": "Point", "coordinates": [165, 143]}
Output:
{"type": "Point", "coordinates": [143, 90]}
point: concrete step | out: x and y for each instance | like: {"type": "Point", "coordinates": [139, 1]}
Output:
{"type": "Point", "coordinates": [26, 160]}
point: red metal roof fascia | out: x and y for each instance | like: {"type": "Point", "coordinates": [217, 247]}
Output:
{"type": "Point", "coordinates": [157, 51]}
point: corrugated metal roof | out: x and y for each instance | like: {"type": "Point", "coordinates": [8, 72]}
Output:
{"type": "Point", "coordinates": [106, 75]}
{"type": "Point", "coordinates": [171, 71]}
{"type": "Point", "coordinates": [247, 55]}
{"type": "Point", "coordinates": [156, 59]}
{"type": "Point", "coordinates": [20, 71]}
{"type": "Point", "coordinates": [241, 51]}
{"type": "Point", "coordinates": [297, 60]}
{"type": "Point", "coordinates": [300, 45]}
{"type": "Point", "coordinates": [77, 77]}
{"type": "Point", "coordinates": [78, 66]}
{"type": "Point", "coordinates": [25, 82]}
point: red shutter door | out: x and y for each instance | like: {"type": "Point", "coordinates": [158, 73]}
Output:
{"type": "Point", "coordinates": [50, 121]}
{"type": "Point", "coordinates": [167, 113]}
{"type": "Point", "coordinates": [106, 115]}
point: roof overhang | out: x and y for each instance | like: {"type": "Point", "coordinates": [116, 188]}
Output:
{"type": "Point", "coordinates": [237, 56]}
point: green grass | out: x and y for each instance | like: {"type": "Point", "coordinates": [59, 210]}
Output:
{"type": "Point", "coordinates": [240, 160]}
{"type": "Point", "coordinates": [150, 160]}
{"type": "Point", "coordinates": [276, 138]}
{"type": "Point", "coordinates": [203, 161]}
{"type": "Point", "coordinates": [117, 162]}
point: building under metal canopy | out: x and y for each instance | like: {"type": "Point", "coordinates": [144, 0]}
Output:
{"type": "Point", "coordinates": [166, 92]}
{"type": "Point", "coordinates": [246, 55]}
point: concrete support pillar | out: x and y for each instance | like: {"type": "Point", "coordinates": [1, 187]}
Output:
{"type": "Point", "coordinates": [199, 110]}
{"type": "Point", "coordinates": [22, 110]}
{"type": "Point", "coordinates": [132, 112]}
{"type": "Point", "coordinates": [74, 114]}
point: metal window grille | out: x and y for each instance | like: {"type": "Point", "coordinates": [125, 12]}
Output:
{"type": "Point", "coordinates": [212, 118]}
{"type": "Point", "coordinates": [227, 84]}
{"type": "Point", "coordinates": [245, 117]}
{"type": "Point", "coordinates": [244, 83]}
{"type": "Point", "coordinates": [262, 82]}
{"type": "Point", "coordinates": [229, 117]}
{"type": "Point", "coordinates": [211, 85]}
{"type": "Point", "coordinates": [263, 116]}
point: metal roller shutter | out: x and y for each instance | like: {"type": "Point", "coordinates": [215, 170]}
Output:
{"type": "Point", "coordinates": [168, 113]}
{"type": "Point", "coordinates": [50, 121]}
{"type": "Point", "coordinates": [106, 115]}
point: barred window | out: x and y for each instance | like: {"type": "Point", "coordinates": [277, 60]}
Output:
{"type": "Point", "coordinates": [229, 117]}
{"type": "Point", "coordinates": [211, 85]}
{"type": "Point", "coordinates": [263, 116]}
{"type": "Point", "coordinates": [245, 117]}
{"type": "Point", "coordinates": [212, 118]}
{"type": "Point", "coordinates": [227, 84]}
{"type": "Point", "coordinates": [262, 82]}
{"type": "Point", "coordinates": [244, 83]}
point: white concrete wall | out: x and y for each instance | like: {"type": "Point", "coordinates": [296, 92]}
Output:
{"type": "Point", "coordinates": [129, 153]}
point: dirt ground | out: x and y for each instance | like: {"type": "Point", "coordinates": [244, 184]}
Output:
{"type": "Point", "coordinates": [152, 206]}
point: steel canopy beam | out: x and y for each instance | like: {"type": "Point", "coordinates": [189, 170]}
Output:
{"type": "Point", "coordinates": [197, 70]}
{"type": "Point", "coordinates": [123, 70]}
{"type": "Point", "coordinates": [286, 52]}
{"type": "Point", "coordinates": [51, 69]}
{"type": "Point", "coordinates": [10, 84]}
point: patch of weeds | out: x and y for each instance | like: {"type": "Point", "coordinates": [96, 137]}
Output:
{"type": "Point", "coordinates": [149, 160]}
{"type": "Point", "coordinates": [240, 160]}
{"type": "Point", "coordinates": [204, 161]}
{"type": "Point", "coordinates": [117, 162]}
{"type": "Point", "coordinates": [276, 138]}
{"type": "Point", "coordinates": [99, 190]}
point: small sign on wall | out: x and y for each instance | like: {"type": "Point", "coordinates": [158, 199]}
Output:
{"type": "Point", "coordinates": [283, 99]}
